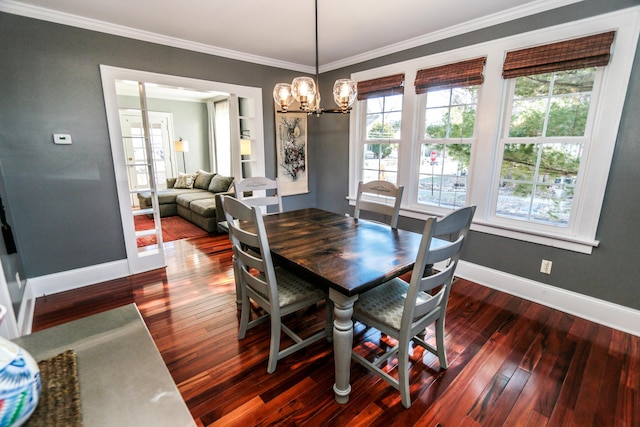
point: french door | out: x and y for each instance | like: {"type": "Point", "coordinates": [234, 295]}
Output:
{"type": "Point", "coordinates": [142, 163]}
{"type": "Point", "coordinates": [163, 156]}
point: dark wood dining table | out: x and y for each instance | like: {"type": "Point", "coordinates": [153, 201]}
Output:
{"type": "Point", "coordinates": [346, 255]}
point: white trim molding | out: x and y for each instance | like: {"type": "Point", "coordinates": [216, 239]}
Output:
{"type": "Point", "coordinates": [65, 281]}
{"type": "Point", "coordinates": [596, 310]}
{"type": "Point", "coordinates": [45, 14]}
{"type": "Point", "coordinates": [593, 309]}
{"type": "Point", "coordinates": [73, 279]}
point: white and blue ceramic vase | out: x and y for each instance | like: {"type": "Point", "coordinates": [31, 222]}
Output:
{"type": "Point", "coordinates": [20, 383]}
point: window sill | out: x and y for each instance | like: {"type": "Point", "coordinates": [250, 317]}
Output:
{"type": "Point", "coordinates": [569, 243]}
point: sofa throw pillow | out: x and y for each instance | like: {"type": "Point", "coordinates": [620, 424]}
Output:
{"type": "Point", "coordinates": [203, 179]}
{"type": "Point", "coordinates": [185, 180]}
{"type": "Point", "coordinates": [220, 183]}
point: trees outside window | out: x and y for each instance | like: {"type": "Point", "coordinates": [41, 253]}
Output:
{"type": "Point", "coordinates": [544, 145]}
{"type": "Point", "coordinates": [383, 122]}
{"type": "Point", "coordinates": [445, 146]}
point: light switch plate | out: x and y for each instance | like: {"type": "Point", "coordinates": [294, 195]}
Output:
{"type": "Point", "coordinates": [61, 138]}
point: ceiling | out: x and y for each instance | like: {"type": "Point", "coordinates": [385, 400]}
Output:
{"type": "Point", "coordinates": [281, 32]}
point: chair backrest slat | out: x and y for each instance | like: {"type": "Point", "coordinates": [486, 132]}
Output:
{"type": "Point", "coordinates": [456, 223]}
{"type": "Point", "coordinates": [380, 188]}
{"type": "Point", "coordinates": [259, 183]}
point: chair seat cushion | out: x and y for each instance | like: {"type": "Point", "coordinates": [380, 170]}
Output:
{"type": "Point", "coordinates": [385, 303]}
{"type": "Point", "coordinates": [294, 290]}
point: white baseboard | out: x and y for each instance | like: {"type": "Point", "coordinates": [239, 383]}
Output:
{"type": "Point", "coordinates": [65, 281]}
{"type": "Point", "coordinates": [73, 279]}
{"type": "Point", "coordinates": [602, 312]}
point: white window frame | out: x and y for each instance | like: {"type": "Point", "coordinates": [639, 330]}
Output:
{"type": "Point", "coordinates": [491, 109]}
{"type": "Point", "coordinates": [378, 141]}
{"type": "Point", "coordinates": [420, 140]}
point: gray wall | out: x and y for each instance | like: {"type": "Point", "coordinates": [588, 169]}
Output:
{"type": "Point", "coordinates": [63, 198]}
{"type": "Point", "coordinates": [612, 271]}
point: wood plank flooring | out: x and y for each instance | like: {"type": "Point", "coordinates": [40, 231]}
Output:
{"type": "Point", "coordinates": [512, 362]}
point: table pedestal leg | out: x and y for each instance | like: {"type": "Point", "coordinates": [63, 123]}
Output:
{"type": "Point", "coordinates": [342, 342]}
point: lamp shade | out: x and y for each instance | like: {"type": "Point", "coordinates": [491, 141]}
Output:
{"type": "Point", "coordinates": [181, 146]}
{"type": "Point", "coordinates": [245, 147]}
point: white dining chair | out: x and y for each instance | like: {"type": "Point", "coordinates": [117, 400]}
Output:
{"type": "Point", "coordinates": [278, 291]}
{"type": "Point", "coordinates": [263, 185]}
{"type": "Point", "coordinates": [390, 197]}
{"type": "Point", "coordinates": [403, 310]}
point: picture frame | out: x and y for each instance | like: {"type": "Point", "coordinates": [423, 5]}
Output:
{"type": "Point", "coordinates": [291, 152]}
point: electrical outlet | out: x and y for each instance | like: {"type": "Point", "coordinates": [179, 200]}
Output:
{"type": "Point", "coordinates": [545, 267]}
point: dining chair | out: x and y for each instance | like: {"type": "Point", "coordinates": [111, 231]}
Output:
{"type": "Point", "coordinates": [451, 226]}
{"type": "Point", "coordinates": [259, 183]}
{"type": "Point", "coordinates": [403, 310]}
{"type": "Point", "coordinates": [380, 188]}
{"type": "Point", "coordinates": [276, 290]}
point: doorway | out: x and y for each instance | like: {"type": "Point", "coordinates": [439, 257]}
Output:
{"type": "Point", "coordinates": [142, 158]}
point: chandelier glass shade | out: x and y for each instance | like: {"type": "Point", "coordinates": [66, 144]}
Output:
{"type": "Point", "coordinates": [305, 91]}
{"type": "Point", "coordinates": [283, 95]}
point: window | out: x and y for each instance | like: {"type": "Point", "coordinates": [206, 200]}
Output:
{"type": "Point", "coordinates": [445, 149]}
{"type": "Point", "coordinates": [382, 138]}
{"type": "Point", "coordinates": [447, 130]}
{"type": "Point", "coordinates": [544, 143]}
{"type": "Point", "coordinates": [382, 127]}
{"type": "Point", "coordinates": [529, 140]}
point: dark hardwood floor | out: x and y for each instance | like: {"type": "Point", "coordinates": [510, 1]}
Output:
{"type": "Point", "coordinates": [512, 362]}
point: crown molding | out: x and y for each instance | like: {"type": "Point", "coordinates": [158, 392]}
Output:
{"type": "Point", "coordinates": [456, 30]}
{"type": "Point", "coordinates": [30, 11]}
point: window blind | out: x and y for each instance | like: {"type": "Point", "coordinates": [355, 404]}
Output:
{"type": "Point", "coordinates": [383, 86]}
{"type": "Point", "coordinates": [459, 74]}
{"type": "Point", "coordinates": [590, 51]}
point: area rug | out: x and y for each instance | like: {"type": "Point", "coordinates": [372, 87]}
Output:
{"type": "Point", "coordinates": [59, 403]}
{"type": "Point", "coordinates": [173, 228]}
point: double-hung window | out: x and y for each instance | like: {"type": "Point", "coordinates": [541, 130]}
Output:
{"type": "Point", "coordinates": [446, 131]}
{"type": "Point", "coordinates": [547, 127]}
{"type": "Point", "coordinates": [382, 120]}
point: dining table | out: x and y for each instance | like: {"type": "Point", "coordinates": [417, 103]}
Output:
{"type": "Point", "coordinates": [345, 255]}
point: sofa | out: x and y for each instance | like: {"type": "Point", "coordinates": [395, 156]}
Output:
{"type": "Point", "coordinates": [195, 197]}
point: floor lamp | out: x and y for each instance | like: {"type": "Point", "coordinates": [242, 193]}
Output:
{"type": "Point", "coordinates": [182, 146]}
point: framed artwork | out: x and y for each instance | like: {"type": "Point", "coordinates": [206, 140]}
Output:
{"type": "Point", "coordinates": [291, 149]}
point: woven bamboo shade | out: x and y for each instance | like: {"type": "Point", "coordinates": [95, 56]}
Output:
{"type": "Point", "coordinates": [384, 86]}
{"type": "Point", "coordinates": [590, 51]}
{"type": "Point", "coordinates": [460, 74]}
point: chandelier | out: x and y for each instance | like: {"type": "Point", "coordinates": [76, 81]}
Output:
{"type": "Point", "coordinates": [305, 90]}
